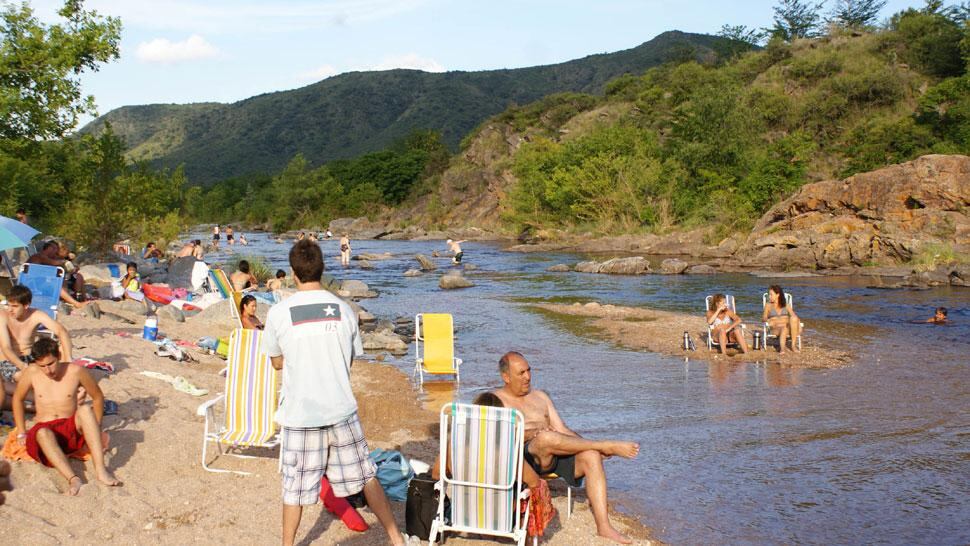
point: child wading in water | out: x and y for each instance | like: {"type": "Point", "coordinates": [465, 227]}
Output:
{"type": "Point", "coordinates": [62, 426]}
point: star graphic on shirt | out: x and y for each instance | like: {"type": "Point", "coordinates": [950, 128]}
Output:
{"type": "Point", "coordinates": [329, 310]}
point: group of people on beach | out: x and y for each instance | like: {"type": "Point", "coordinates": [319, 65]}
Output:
{"type": "Point", "coordinates": [313, 337]}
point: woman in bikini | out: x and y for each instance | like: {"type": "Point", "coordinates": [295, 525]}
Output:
{"type": "Point", "coordinates": [726, 324]}
{"type": "Point", "coordinates": [247, 313]}
{"type": "Point", "coordinates": [781, 318]}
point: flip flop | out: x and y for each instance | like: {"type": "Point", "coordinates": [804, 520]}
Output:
{"type": "Point", "coordinates": [182, 384]}
{"type": "Point", "coordinates": [110, 407]}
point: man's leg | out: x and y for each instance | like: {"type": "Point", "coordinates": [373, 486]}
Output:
{"type": "Point", "coordinates": [87, 423]}
{"type": "Point", "coordinates": [378, 504]}
{"type": "Point", "coordinates": [47, 442]}
{"type": "Point", "coordinates": [548, 443]}
{"type": "Point", "coordinates": [291, 522]}
{"type": "Point", "coordinates": [590, 465]}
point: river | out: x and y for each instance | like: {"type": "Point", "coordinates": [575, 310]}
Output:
{"type": "Point", "coordinates": [877, 452]}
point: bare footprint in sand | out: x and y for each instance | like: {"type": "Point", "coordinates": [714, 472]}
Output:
{"type": "Point", "coordinates": [626, 450]}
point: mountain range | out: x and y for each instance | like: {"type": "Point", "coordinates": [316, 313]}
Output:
{"type": "Point", "coordinates": [351, 114]}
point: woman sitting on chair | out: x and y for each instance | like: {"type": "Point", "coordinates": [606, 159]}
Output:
{"type": "Point", "coordinates": [781, 318]}
{"type": "Point", "coordinates": [725, 324]}
{"type": "Point", "coordinates": [247, 313]}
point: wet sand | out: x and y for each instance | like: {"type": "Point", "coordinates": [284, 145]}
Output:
{"type": "Point", "coordinates": [167, 497]}
{"type": "Point", "coordinates": [662, 332]}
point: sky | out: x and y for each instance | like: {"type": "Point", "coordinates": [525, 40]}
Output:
{"type": "Point", "coordinates": [185, 51]}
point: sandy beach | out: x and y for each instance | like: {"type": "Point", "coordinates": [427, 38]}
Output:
{"type": "Point", "coordinates": [168, 498]}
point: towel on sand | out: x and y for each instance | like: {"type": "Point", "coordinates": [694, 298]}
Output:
{"type": "Point", "coordinates": [93, 364]}
{"type": "Point", "coordinates": [13, 451]}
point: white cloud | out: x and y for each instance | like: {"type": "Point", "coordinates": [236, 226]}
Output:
{"type": "Point", "coordinates": [162, 50]}
{"type": "Point", "coordinates": [234, 16]}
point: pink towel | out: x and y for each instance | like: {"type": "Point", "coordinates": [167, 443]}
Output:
{"type": "Point", "coordinates": [93, 364]}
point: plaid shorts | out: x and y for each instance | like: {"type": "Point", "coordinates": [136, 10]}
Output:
{"type": "Point", "coordinates": [339, 451]}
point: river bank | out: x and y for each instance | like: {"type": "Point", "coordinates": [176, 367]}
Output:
{"type": "Point", "coordinates": [156, 450]}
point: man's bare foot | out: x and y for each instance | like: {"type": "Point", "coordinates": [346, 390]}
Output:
{"type": "Point", "coordinates": [614, 535]}
{"type": "Point", "coordinates": [628, 450]}
{"type": "Point", "coordinates": [73, 486]}
{"type": "Point", "coordinates": [108, 479]}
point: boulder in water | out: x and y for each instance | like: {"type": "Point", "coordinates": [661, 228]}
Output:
{"type": "Point", "coordinates": [702, 269]}
{"type": "Point", "coordinates": [454, 279]}
{"type": "Point", "coordinates": [364, 264]}
{"type": "Point", "coordinates": [384, 341]}
{"type": "Point", "coordinates": [559, 268]}
{"type": "Point", "coordinates": [413, 273]}
{"type": "Point", "coordinates": [636, 265]}
{"type": "Point", "coordinates": [426, 263]}
{"type": "Point", "coordinates": [351, 288]}
{"type": "Point", "coordinates": [673, 266]}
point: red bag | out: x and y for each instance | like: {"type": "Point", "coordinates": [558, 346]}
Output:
{"type": "Point", "coordinates": [339, 507]}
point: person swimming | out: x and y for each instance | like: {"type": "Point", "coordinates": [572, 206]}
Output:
{"type": "Point", "coordinates": [939, 317]}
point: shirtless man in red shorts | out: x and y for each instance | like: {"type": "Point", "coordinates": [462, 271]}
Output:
{"type": "Point", "coordinates": [61, 426]}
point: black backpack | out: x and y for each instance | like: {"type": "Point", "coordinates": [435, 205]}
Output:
{"type": "Point", "coordinates": [421, 506]}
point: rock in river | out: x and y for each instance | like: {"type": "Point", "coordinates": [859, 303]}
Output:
{"type": "Point", "coordinates": [454, 279]}
{"type": "Point", "coordinates": [636, 265]}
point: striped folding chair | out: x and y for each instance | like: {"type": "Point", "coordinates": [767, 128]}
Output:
{"type": "Point", "coordinates": [220, 283]}
{"type": "Point", "coordinates": [250, 401]}
{"type": "Point", "coordinates": [484, 445]}
{"type": "Point", "coordinates": [434, 346]}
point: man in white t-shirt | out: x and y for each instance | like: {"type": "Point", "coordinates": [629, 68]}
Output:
{"type": "Point", "coordinates": [313, 336]}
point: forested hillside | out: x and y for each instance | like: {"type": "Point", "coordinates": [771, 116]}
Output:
{"type": "Point", "coordinates": [351, 114]}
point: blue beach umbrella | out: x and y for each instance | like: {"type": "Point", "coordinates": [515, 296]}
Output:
{"type": "Point", "coordinates": [15, 234]}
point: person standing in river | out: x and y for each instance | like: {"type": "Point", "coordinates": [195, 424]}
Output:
{"type": "Point", "coordinates": [345, 250]}
{"type": "Point", "coordinates": [215, 236]}
{"type": "Point", "coordinates": [230, 236]}
{"type": "Point", "coordinates": [455, 248]}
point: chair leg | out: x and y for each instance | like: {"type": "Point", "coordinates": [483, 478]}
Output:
{"type": "Point", "coordinates": [569, 501]}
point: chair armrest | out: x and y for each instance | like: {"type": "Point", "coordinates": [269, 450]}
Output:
{"type": "Point", "coordinates": [207, 405]}
{"type": "Point", "coordinates": [457, 362]}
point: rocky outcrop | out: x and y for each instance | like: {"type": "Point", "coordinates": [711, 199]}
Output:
{"type": "Point", "coordinates": [701, 269]}
{"type": "Point", "coordinates": [636, 265]}
{"type": "Point", "coordinates": [883, 216]}
{"type": "Point", "coordinates": [384, 340]}
{"type": "Point", "coordinates": [558, 268]}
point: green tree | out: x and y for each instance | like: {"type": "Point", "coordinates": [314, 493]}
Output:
{"type": "Point", "coordinates": [41, 65]}
{"type": "Point", "coordinates": [742, 33]}
{"type": "Point", "coordinates": [796, 19]}
{"type": "Point", "coordinates": [855, 14]}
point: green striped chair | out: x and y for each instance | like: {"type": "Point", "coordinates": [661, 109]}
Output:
{"type": "Point", "coordinates": [484, 445]}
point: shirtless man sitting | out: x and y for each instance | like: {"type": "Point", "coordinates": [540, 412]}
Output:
{"type": "Point", "coordinates": [241, 278]}
{"type": "Point", "coordinates": [550, 446]}
{"type": "Point", "coordinates": [18, 329]}
{"type": "Point", "coordinates": [61, 425]}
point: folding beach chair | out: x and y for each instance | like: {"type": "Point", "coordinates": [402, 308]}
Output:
{"type": "Point", "coordinates": [250, 401]}
{"type": "Point", "coordinates": [485, 456]}
{"type": "Point", "coordinates": [767, 329]}
{"type": "Point", "coordinates": [711, 342]}
{"type": "Point", "coordinates": [45, 283]}
{"type": "Point", "coordinates": [434, 346]}
{"type": "Point", "coordinates": [219, 282]}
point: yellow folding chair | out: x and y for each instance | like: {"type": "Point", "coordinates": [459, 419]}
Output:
{"type": "Point", "coordinates": [434, 346]}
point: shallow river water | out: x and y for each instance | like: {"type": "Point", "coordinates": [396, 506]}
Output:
{"type": "Point", "coordinates": [877, 452]}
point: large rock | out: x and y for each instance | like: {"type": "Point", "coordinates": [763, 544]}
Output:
{"type": "Point", "coordinates": [365, 264]}
{"type": "Point", "coordinates": [180, 272]}
{"type": "Point", "coordinates": [383, 340]}
{"type": "Point", "coordinates": [427, 264]}
{"type": "Point", "coordinates": [372, 257]}
{"type": "Point", "coordinates": [882, 216]}
{"type": "Point", "coordinates": [413, 273]}
{"type": "Point", "coordinates": [673, 266]}
{"type": "Point", "coordinates": [636, 265]}
{"type": "Point", "coordinates": [702, 269]}
{"type": "Point", "coordinates": [351, 288]}
{"type": "Point", "coordinates": [169, 312]}
{"type": "Point", "coordinates": [100, 274]}
{"type": "Point", "coordinates": [454, 279]}
{"type": "Point", "coordinates": [559, 268]}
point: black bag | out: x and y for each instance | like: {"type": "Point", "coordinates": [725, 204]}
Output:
{"type": "Point", "coordinates": [421, 506]}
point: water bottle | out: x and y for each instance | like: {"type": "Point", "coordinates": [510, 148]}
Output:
{"type": "Point", "coordinates": [150, 332]}
{"type": "Point", "coordinates": [757, 340]}
{"type": "Point", "coordinates": [686, 341]}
